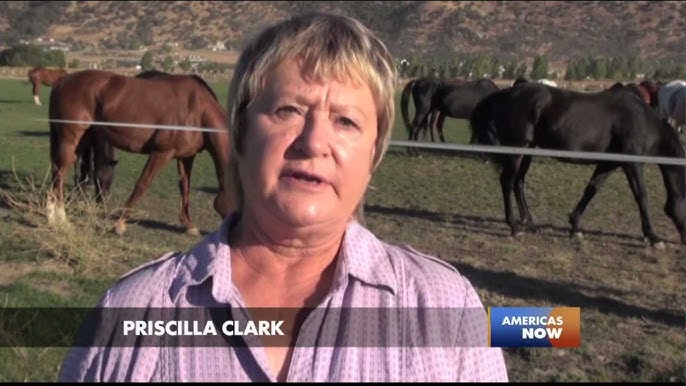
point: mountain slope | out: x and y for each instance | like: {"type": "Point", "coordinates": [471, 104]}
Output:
{"type": "Point", "coordinates": [436, 29]}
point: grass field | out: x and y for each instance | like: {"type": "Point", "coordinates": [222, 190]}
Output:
{"type": "Point", "coordinates": [631, 296]}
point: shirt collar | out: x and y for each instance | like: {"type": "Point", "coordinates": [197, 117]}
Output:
{"type": "Point", "coordinates": [366, 258]}
{"type": "Point", "coordinates": [363, 257]}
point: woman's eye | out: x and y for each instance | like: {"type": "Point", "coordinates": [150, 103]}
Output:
{"type": "Point", "coordinates": [287, 111]}
{"type": "Point", "coordinates": [347, 122]}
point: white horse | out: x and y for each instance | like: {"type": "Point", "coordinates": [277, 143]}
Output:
{"type": "Point", "coordinates": [671, 99]}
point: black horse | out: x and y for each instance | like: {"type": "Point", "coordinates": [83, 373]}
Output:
{"type": "Point", "coordinates": [535, 115]}
{"type": "Point", "coordinates": [453, 98]}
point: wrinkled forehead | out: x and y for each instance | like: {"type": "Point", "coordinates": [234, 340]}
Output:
{"type": "Point", "coordinates": [314, 70]}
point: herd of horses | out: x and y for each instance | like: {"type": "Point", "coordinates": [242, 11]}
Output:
{"type": "Point", "coordinates": [636, 119]}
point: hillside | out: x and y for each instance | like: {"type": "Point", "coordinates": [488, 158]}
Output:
{"type": "Point", "coordinates": [506, 29]}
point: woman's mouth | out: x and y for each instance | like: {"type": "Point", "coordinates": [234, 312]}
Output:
{"type": "Point", "coordinates": [304, 178]}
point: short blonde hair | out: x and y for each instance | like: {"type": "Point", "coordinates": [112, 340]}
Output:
{"type": "Point", "coordinates": [329, 46]}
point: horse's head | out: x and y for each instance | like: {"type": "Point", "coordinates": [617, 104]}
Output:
{"type": "Point", "coordinates": [104, 176]}
{"type": "Point", "coordinates": [652, 89]}
{"type": "Point", "coordinates": [674, 176]}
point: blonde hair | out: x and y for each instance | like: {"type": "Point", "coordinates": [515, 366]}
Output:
{"type": "Point", "coordinates": [328, 46]}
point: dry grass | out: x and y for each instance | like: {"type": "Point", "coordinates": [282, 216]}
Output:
{"type": "Point", "coordinates": [76, 243]}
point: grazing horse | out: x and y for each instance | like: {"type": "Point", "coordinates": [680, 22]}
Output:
{"type": "Point", "coordinates": [96, 153]}
{"type": "Point", "coordinates": [160, 99]}
{"type": "Point", "coordinates": [46, 76]}
{"type": "Point", "coordinates": [671, 103]}
{"type": "Point", "coordinates": [454, 98]}
{"type": "Point", "coordinates": [535, 115]}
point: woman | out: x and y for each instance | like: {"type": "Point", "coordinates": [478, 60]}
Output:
{"type": "Point", "coordinates": [311, 109]}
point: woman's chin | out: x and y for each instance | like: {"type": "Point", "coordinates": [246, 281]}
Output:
{"type": "Point", "coordinates": [298, 214]}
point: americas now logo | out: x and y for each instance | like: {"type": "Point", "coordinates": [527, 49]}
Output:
{"type": "Point", "coordinates": [534, 326]}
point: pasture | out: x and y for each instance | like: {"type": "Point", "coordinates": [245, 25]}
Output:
{"type": "Point", "coordinates": [631, 296]}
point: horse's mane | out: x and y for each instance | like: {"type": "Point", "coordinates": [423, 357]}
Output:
{"type": "Point", "coordinates": [207, 86]}
{"type": "Point", "coordinates": [148, 74]}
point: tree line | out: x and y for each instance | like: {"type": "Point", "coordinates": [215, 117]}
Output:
{"type": "Point", "coordinates": [486, 66]}
{"type": "Point", "coordinates": [469, 67]}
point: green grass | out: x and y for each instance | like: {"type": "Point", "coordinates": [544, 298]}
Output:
{"type": "Point", "coordinates": [631, 296]}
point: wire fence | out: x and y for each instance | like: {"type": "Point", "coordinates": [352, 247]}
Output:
{"type": "Point", "coordinates": [594, 156]}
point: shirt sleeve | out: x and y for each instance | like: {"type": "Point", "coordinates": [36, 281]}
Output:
{"type": "Point", "coordinates": [479, 362]}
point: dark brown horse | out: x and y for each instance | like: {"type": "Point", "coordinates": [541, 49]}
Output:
{"type": "Point", "coordinates": [45, 76]}
{"type": "Point", "coordinates": [162, 99]}
{"type": "Point", "coordinates": [535, 115]}
{"type": "Point", "coordinates": [454, 98]}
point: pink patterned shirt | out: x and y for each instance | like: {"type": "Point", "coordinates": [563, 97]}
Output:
{"type": "Point", "coordinates": [369, 274]}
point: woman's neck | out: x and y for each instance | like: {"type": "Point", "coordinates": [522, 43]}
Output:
{"type": "Point", "coordinates": [282, 271]}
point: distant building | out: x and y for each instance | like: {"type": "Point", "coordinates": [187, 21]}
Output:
{"type": "Point", "coordinates": [60, 47]}
{"type": "Point", "coordinates": [218, 46]}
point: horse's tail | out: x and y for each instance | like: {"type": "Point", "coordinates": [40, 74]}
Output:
{"type": "Point", "coordinates": [404, 100]}
{"type": "Point", "coordinates": [54, 136]}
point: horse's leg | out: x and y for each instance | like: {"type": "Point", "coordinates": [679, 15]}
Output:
{"type": "Point", "coordinates": [185, 165]}
{"type": "Point", "coordinates": [155, 163]}
{"type": "Point", "coordinates": [634, 174]}
{"type": "Point", "coordinates": [432, 124]}
{"type": "Point", "coordinates": [524, 212]}
{"type": "Point", "coordinates": [417, 125]}
{"type": "Point", "coordinates": [36, 96]}
{"type": "Point", "coordinates": [55, 205]}
{"type": "Point", "coordinates": [600, 174]}
{"type": "Point", "coordinates": [507, 180]}
{"type": "Point", "coordinates": [424, 130]}
{"type": "Point", "coordinates": [439, 126]}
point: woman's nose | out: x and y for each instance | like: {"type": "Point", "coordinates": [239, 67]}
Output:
{"type": "Point", "coordinates": [314, 139]}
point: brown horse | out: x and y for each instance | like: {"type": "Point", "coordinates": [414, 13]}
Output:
{"type": "Point", "coordinates": [162, 99]}
{"type": "Point", "coordinates": [46, 76]}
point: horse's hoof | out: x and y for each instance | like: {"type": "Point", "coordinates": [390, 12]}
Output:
{"type": "Point", "coordinates": [120, 228]}
{"type": "Point", "coordinates": [660, 245]}
{"type": "Point", "coordinates": [578, 235]}
{"type": "Point", "coordinates": [518, 235]}
{"type": "Point", "coordinates": [193, 232]}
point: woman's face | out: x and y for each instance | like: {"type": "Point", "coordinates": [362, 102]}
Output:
{"type": "Point", "coordinates": [308, 148]}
